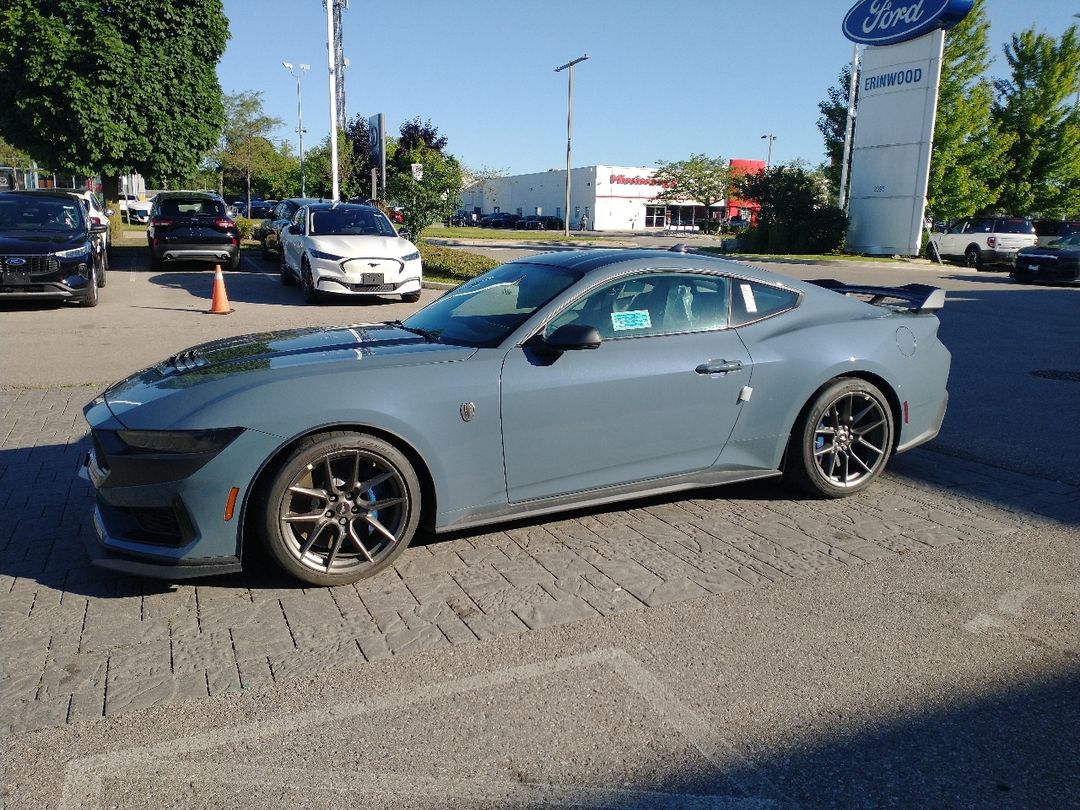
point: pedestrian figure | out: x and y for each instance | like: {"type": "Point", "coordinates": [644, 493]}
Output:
{"type": "Point", "coordinates": [583, 224]}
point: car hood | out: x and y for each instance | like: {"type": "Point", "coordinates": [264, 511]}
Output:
{"type": "Point", "coordinates": [360, 246]}
{"type": "Point", "coordinates": [222, 368]}
{"type": "Point", "coordinates": [1051, 250]}
{"type": "Point", "coordinates": [38, 243]}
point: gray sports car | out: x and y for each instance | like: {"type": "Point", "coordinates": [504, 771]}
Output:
{"type": "Point", "coordinates": [556, 381]}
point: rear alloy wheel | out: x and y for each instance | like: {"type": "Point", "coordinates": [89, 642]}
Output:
{"type": "Point", "coordinates": [342, 507]}
{"type": "Point", "coordinates": [307, 283]}
{"type": "Point", "coordinates": [973, 258]}
{"type": "Point", "coordinates": [844, 441]}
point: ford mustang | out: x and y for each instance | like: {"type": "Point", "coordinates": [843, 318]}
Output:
{"type": "Point", "coordinates": [555, 381]}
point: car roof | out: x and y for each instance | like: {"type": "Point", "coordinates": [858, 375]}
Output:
{"type": "Point", "coordinates": [323, 206]}
{"type": "Point", "coordinates": [199, 195]}
{"type": "Point", "coordinates": [45, 192]}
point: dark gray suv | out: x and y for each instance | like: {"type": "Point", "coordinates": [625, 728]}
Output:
{"type": "Point", "coordinates": [192, 226]}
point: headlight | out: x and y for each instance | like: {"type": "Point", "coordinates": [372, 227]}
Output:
{"type": "Point", "coordinates": [318, 254]}
{"type": "Point", "coordinates": [408, 257]}
{"type": "Point", "coordinates": [179, 441]}
{"type": "Point", "coordinates": [74, 253]}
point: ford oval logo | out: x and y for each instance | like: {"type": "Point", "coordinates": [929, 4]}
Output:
{"type": "Point", "coordinates": [887, 22]}
{"type": "Point", "coordinates": [16, 261]}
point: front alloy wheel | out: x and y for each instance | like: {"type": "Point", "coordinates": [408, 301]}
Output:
{"type": "Point", "coordinates": [844, 440]}
{"type": "Point", "coordinates": [342, 507]}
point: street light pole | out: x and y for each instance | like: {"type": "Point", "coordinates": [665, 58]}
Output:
{"type": "Point", "coordinates": [569, 131]}
{"type": "Point", "coordinates": [768, 158]}
{"type": "Point", "coordinates": [332, 62]}
{"type": "Point", "coordinates": [299, 119]}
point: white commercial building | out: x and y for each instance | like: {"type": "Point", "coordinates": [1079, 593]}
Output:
{"type": "Point", "coordinates": [610, 198]}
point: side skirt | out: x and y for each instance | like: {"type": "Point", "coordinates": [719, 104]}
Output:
{"type": "Point", "coordinates": [600, 497]}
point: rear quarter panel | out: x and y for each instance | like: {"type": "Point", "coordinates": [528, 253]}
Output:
{"type": "Point", "coordinates": [826, 337]}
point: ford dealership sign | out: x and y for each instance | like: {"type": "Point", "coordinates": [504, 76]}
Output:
{"type": "Point", "coordinates": [887, 22]}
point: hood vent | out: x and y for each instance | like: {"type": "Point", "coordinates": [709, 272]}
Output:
{"type": "Point", "coordinates": [187, 360]}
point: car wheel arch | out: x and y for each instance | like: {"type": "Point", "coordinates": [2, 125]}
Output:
{"type": "Point", "coordinates": [264, 476]}
{"type": "Point", "coordinates": [876, 380]}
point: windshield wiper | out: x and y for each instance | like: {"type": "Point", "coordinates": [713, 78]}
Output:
{"type": "Point", "coordinates": [429, 336]}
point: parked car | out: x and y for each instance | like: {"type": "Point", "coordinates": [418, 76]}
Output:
{"type": "Point", "coordinates": [500, 219]}
{"type": "Point", "coordinates": [49, 249]}
{"type": "Point", "coordinates": [556, 381]}
{"type": "Point", "coordinates": [269, 231]}
{"type": "Point", "coordinates": [191, 226]}
{"type": "Point", "coordinates": [138, 211]}
{"type": "Point", "coordinates": [93, 211]}
{"type": "Point", "coordinates": [261, 209]}
{"type": "Point", "coordinates": [533, 222]}
{"type": "Point", "coordinates": [1050, 230]}
{"type": "Point", "coordinates": [1056, 263]}
{"type": "Point", "coordinates": [982, 241]}
{"type": "Point", "coordinates": [348, 249]}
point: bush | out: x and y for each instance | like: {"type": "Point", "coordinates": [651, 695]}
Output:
{"type": "Point", "coordinates": [447, 262]}
{"type": "Point", "coordinates": [247, 227]}
{"type": "Point", "coordinates": [821, 230]}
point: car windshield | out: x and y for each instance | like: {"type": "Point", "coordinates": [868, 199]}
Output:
{"type": "Point", "coordinates": [41, 214]}
{"type": "Point", "coordinates": [483, 311]}
{"type": "Point", "coordinates": [350, 222]}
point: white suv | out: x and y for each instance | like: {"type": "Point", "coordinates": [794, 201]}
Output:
{"type": "Point", "coordinates": [979, 241]}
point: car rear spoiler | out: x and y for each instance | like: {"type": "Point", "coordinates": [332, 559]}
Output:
{"type": "Point", "coordinates": [914, 297]}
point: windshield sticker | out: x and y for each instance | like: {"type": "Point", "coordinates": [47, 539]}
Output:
{"type": "Point", "coordinates": [748, 297]}
{"type": "Point", "coordinates": [632, 319]}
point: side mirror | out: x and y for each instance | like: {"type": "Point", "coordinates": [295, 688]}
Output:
{"type": "Point", "coordinates": [405, 233]}
{"type": "Point", "coordinates": [96, 228]}
{"type": "Point", "coordinates": [109, 212]}
{"type": "Point", "coordinates": [296, 230]}
{"type": "Point", "coordinates": [573, 337]}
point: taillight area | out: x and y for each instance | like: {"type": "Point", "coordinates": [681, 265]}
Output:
{"type": "Point", "coordinates": [161, 223]}
{"type": "Point", "coordinates": [991, 241]}
{"type": "Point", "coordinates": [223, 224]}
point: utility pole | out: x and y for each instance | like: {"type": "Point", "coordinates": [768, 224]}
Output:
{"type": "Point", "coordinates": [569, 131]}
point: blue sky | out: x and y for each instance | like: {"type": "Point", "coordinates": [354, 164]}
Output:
{"type": "Point", "coordinates": [664, 80]}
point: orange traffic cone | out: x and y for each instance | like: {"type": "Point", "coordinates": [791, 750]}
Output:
{"type": "Point", "coordinates": [219, 304]}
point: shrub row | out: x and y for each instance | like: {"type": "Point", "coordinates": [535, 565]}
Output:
{"type": "Point", "coordinates": [444, 262]}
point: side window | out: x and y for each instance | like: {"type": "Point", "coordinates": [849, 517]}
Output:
{"type": "Point", "coordinates": [298, 217]}
{"type": "Point", "coordinates": [957, 227]}
{"type": "Point", "coordinates": [752, 301]}
{"type": "Point", "coordinates": [651, 304]}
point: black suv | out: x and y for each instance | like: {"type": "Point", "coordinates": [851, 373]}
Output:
{"type": "Point", "coordinates": [191, 226]}
{"type": "Point", "coordinates": [269, 230]}
{"type": "Point", "coordinates": [49, 249]}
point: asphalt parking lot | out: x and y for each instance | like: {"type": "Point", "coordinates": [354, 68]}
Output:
{"type": "Point", "coordinates": [916, 645]}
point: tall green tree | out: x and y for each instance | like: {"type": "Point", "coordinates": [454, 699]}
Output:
{"type": "Point", "coordinates": [127, 85]}
{"type": "Point", "coordinates": [970, 148]}
{"type": "Point", "coordinates": [432, 196]}
{"type": "Point", "coordinates": [833, 127]}
{"type": "Point", "coordinates": [704, 180]}
{"type": "Point", "coordinates": [1038, 103]}
{"type": "Point", "coordinates": [246, 148]}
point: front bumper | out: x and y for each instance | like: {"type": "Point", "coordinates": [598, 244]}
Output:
{"type": "Point", "coordinates": [66, 284]}
{"type": "Point", "coordinates": [179, 525]}
{"type": "Point", "coordinates": [330, 277]}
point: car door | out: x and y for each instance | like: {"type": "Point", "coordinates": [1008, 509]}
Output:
{"type": "Point", "coordinates": [658, 397]}
{"type": "Point", "coordinates": [291, 243]}
{"type": "Point", "coordinates": [952, 241]}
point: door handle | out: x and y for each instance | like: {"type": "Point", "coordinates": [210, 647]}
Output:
{"type": "Point", "coordinates": [719, 367]}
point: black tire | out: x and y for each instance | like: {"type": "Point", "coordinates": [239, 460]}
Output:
{"type": "Point", "coordinates": [266, 253]}
{"type": "Point", "coordinates": [155, 261]}
{"type": "Point", "coordinates": [103, 275]}
{"type": "Point", "coordinates": [283, 271]}
{"type": "Point", "coordinates": [410, 298]}
{"type": "Point", "coordinates": [318, 520]}
{"type": "Point", "coordinates": [973, 258]}
{"type": "Point", "coordinates": [234, 261]}
{"type": "Point", "coordinates": [91, 298]}
{"type": "Point", "coordinates": [857, 417]}
{"type": "Point", "coordinates": [307, 284]}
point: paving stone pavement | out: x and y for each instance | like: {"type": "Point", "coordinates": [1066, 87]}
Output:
{"type": "Point", "coordinates": [80, 643]}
